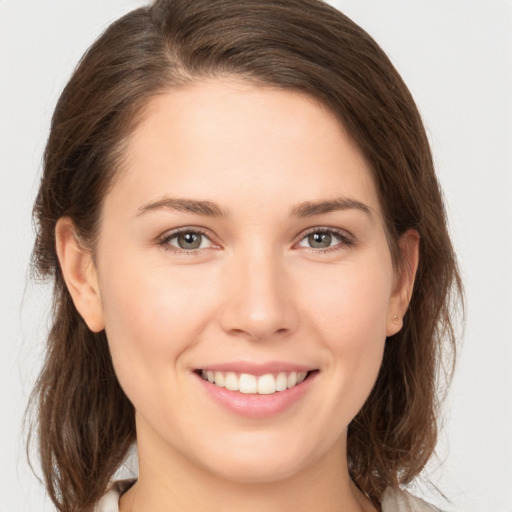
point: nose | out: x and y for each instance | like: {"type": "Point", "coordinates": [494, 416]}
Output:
{"type": "Point", "coordinates": [259, 302]}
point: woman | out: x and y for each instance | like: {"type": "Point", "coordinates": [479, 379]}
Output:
{"type": "Point", "coordinates": [252, 267]}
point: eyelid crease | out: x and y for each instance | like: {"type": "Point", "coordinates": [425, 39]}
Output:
{"type": "Point", "coordinates": [164, 239]}
{"type": "Point", "coordinates": [347, 237]}
{"type": "Point", "coordinates": [167, 235]}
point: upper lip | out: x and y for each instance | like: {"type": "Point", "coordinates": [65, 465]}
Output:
{"type": "Point", "coordinates": [257, 368]}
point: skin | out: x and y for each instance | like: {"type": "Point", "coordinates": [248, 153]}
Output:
{"type": "Point", "coordinates": [256, 291]}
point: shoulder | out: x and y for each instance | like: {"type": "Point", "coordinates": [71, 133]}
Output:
{"type": "Point", "coordinates": [398, 500]}
{"type": "Point", "coordinates": [110, 500]}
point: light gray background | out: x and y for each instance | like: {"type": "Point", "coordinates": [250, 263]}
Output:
{"type": "Point", "coordinates": [456, 56]}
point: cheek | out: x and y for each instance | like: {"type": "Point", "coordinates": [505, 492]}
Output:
{"type": "Point", "coordinates": [348, 314]}
{"type": "Point", "coordinates": [350, 301]}
{"type": "Point", "coordinates": [150, 319]}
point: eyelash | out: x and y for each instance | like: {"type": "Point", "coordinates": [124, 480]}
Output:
{"type": "Point", "coordinates": [164, 240]}
{"type": "Point", "coordinates": [346, 240]}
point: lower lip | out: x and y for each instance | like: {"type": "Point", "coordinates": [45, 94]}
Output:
{"type": "Point", "coordinates": [254, 405]}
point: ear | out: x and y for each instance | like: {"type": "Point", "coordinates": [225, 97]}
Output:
{"type": "Point", "coordinates": [409, 245]}
{"type": "Point", "coordinates": [79, 273]}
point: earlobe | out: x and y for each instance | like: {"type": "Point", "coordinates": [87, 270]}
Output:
{"type": "Point", "coordinates": [409, 245]}
{"type": "Point", "coordinates": [79, 273]}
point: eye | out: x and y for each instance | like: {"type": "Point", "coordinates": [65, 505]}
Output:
{"type": "Point", "coordinates": [320, 238]}
{"type": "Point", "coordinates": [186, 240]}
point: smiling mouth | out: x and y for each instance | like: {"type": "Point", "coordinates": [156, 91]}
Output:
{"type": "Point", "coordinates": [247, 383]}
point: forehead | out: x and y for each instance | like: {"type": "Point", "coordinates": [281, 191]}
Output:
{"type": "Point", "coordinates": [224, 139]}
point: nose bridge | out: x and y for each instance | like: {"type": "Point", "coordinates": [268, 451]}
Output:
{"type": "Point", "coordinates": [259, 302]}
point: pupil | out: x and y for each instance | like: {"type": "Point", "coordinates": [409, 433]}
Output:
{"type": "Point", "coordinates": [319, 240]}
{"type": "Point", "coordinates": [189, 240]}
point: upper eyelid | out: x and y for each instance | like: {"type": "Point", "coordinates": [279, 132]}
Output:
{"type": "Point", "coordinates": [168, 235]}
{"type": "Point", "coordinates": [325, 229]}
{"type": "Point", "coordinates": [164, 240]}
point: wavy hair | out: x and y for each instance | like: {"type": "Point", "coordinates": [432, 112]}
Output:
{"type": "Point", "coordinates": [85, 423]}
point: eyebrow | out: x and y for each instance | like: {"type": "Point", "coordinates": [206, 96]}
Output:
{"type": "Point", "coordinates": [204, 208]}
{"type": "Point", "coordinates": [209, 209]}
{"type": "Point", "coordinates": [310, 209]}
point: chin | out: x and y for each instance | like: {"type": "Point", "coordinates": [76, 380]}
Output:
{"type": "Point", "coordinates": [260, 462]}
{"type": "Point", "coordinates": [255, 471]}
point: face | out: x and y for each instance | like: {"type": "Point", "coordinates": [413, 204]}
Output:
{"type": "Point", "coordinates": [245, 281]}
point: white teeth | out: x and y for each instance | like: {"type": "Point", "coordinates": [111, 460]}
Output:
{"type": "Point", "coordinates": [219, 379]}
{"type": "Point", "coordinates": [292, 379]}
{"type": "Point", "coordinates": [266, 384]}
{"type": "Point", "coordinates": [247, 383]}
{"type": "Point", "coordinates": [281, 382]}
{"type": "Point", "coordinates": [231, 381]}
{"type": "Point", "coordinates": [251, 384]}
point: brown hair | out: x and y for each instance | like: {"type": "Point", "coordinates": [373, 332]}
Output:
{"type": "Point", "coordinates": [85, 422]}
